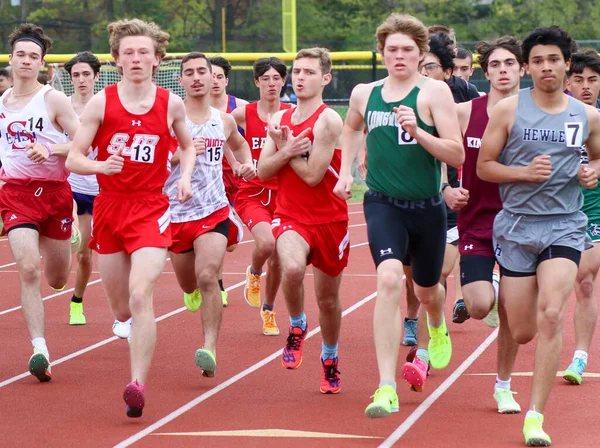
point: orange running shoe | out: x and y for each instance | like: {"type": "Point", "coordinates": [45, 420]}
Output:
{"type": "Point", "coordinates": [252, 288]}
{"type": "Point", "coordinates": [291, 357]}
{"type": "Point", "coordinates": [330, 381]}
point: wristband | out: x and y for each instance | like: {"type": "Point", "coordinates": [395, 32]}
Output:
{"type": "Point", "coordinates": [444, 185]}
{"type": "Point", "coordinates": [48, 147]}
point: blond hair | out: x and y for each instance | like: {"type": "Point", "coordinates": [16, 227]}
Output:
{"type": "Point", "coordinates": [404, 24]}
{"type": "Point", "coordinates": [136, 27]}
{"type": "Point", "coordinates": [322, 54]}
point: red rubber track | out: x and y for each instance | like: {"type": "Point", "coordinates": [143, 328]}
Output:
{"type": "Point", "coordinates": [83, 406]}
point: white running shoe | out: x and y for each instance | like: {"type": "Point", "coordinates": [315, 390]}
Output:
{"type": "Point", "coordinates": [122, 329]}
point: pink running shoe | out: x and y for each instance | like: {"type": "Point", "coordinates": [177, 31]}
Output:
{"type": "Point", "coordinates": [134, 398]}
{"type": "Point", "coordinates": [415, 373]}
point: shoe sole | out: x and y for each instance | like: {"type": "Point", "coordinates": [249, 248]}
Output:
{"type": "Point", "coordinates": [537, 442]}
{"type": "Point", "coordinates": [38, 367]}
{"type": "Point", "coordinates": [572, 379]}
{"type": "Point", "coordinates": [377, 412]}
{"type": "Point", "coordinates": [409, 342]}
{"type": "Point", "coordinates": [330, 391]}
{"type": "Point", "coordinates": [291, 367]}
{"type": "Point", "coordinates": [271, 334]}
{"type": "Point", "coordinates": [509, 411]}
{"type": "Point", "coordinates": [412, 376]}
{"type": "Point", "coordinates": [206, 363]}
{"type": "Point", "coordinates": [77, 320]}
{"type": "Point", "coordinates": [135, 401]}
{"type": "Point", "coordinates": [461, 316]}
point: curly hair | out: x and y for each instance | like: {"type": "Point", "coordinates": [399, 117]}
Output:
{"type": "Point", "coordinates": [486, 48]}
{"type": "Point", "coordinates": [136, 27]}
{"type": "Point", "coordinates": [32, 32]}
{"type": "Point", "coordinates": [441, 46]}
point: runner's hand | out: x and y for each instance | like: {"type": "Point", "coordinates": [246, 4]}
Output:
{"type": "Point", "coordinates": [343, 187]}
{"type": "Point", "coordinates": [588, 178]}
{"type": "Point", "coordinates": [539, 169]}
{"type": "Point", "coordinates": [456, 198]}
{"type": "Point", "coordinates": [37, 153]}
{"type": "Point", "coordinates": [184, 190]}
{"type": "Point", "coordinates": [298, 145]}
{"type": "Point", "coordinates": [407, 119]}
{"type": "Point", "coordinates": [114, 164]}
{"type": "Point", "coordinates": [246, 171]}
{"type": "Point", "coordinates": [199, 145]}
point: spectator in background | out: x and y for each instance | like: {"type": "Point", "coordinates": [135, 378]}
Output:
{"type": "Point", "coordinates": [463, 63]}
{"type": "Point", "coordinates": [5, 80]}
{"type": "Point", "coordinates": [43, 79]}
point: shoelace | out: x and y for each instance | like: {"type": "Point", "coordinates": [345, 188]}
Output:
{"type": "Point", "coordinates": [270, 319]}
{"type": "Point", "coordinates": [294, 341]}
{"type": "Point", "coordinates": [580, 365]}
{"type": "Point", "coordinates": [331, 373]}
{"type": "Point", "coordinates": [255, 283]}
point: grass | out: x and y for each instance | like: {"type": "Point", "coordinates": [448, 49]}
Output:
{"type": "Point", "coordinates": [358, 192]}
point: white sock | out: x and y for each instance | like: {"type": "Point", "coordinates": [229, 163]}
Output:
{"type": "Point", "coordinates": [40, 344]}
{"type": "Point", "coordinates": [500, 384]}
{"type": "Point", "coordinates": [534, 414]}
{"type": "Point", "coordinates": [581, 355]}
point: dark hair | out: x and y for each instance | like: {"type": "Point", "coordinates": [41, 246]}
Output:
{"type": "Point", "coordinates": [486, 48]}
{"type": "Point", "coordinates": [85, 57]}
{"type": "Point", "coordinates": [463, 53]}
{"type": "Point", "coordinates": [442, 29]}
{"type": "Point", "coordinates": [4, 72]}
{"type": "Point", "coordinates": [586, 57]}
{"type": "Point", "coordinates": [195, 55]}
{"type": "Point", "coordinates": [33, 33]}
{"type": "Point", "coordinates": [551, 35]}
{"type": "Point", "coordinates": [263, 65]}
{"type": "Point", "coordinates": [441, 46]}
{"type": "Point", "coordinates": [220, 61]}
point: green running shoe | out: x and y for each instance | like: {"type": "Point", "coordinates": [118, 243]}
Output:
{"type": "Point", "coordinates": [574, 372]}
{"type": "Point", "coordinates": [193, 301]}
{"type": "Point", "coordinates": [385, 401]}
{"type": "Point", "coordinates": [533, 432]}
{"type": "Point", "coordinates": [440, 346]}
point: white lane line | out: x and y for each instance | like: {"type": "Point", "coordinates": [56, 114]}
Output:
{"type": "Point", "coordinates": [101, 343]}
{"type": "Point", "coordinates": [355, 213]}
{"type": "Point", "coordinates": [437, 393]}
{"type": "Point", "coordinates": [105, 341]}
{"type": "Point", "coordinates": [357, 225]}
{"type": "Point", "coordinates": [224, 385]}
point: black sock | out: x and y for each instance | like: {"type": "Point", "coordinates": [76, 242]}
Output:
{"type": "Point", "coordinates": [76, 299]}
{"type": "Point", "coordinates": [221, 284]}
{"type": "Point", "coordinates": [406, 319]}
{"type": "Point", "coordinates": [266, 307]}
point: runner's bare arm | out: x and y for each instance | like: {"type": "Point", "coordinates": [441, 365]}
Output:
{"type": "Point", "coordinates": [448, 146]}
{"type": "Point", "coordinates": [327, 133]}
{"type": "Point", "coordinates": [593, 142]}
{"type": "Point", "coordinates": [91, 119]}
{"type": "Point", "coordinates": [240, 147]}
{"type": "Point", "coordinates": [271, 160]}
{"type": "Point", "coordinates": [463, 111]}
{"type": "Point", "coordinates": [239, 115]}
{"type": "Point", "coordinates": [187, 151]}
{"type": "Point", "coordinates": [65, 117]}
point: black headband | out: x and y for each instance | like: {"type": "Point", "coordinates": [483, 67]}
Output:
{"type": "Point", "coordinates": [34, 39]}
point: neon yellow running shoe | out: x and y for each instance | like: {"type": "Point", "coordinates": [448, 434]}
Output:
{"type": "Point", "coordinates": [506, 402]}
{"type": "Point", "coordinates": [207, 362]}
{"type": "Point", "coordinates": [533, 432]}
{"type": "Point", "coordinates": [76, 316]}
{"type": "Point", "coordinates": [224, 296]}
{"type": "Point", "coordinates": [574, 373]}
{"type": "Point", "coordinates": [385, 401]}
{"type": "Point", "coordinates": [193, 301]}
{"type": "Point", "coordinates": [440, 346]}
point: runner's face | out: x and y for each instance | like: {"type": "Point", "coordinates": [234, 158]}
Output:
{"type": "Point", "coordinates": [137, 57]}
{"type": "Point", "coordinates": [307, 78]}
{"type": "Point", "coordinates": [401, 55]}
{"type": "Point", "coordinates": [270, 84]}
{"type": "Point", "coordinates": [431, 67]}
{"type": "Point", "coordinates": [219, 82]}
{"type": "Point", "coordinates": [83, 78]}
{"type": "Point", "coordinates": [196, 78]}
{"type": "Point", "coordinates": [26, 59]}
{"type": "Point", "coordinates": [463, 68]}
{"type": "Point", "coordinates": [503, 72]}
{"type": "Point", "coordinates": [585, 86]}
{"type": "Point", "coordinates": [4, 84]}
{"type": "Point", "coordinates": [547, 67]}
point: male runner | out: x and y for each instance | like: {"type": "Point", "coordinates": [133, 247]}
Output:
{"type": "Point", "coordinates": [584, 84]}
{"type": "Point", "coordinates": [84, 71]}
{"type": "Point", "coordinates": [224, 102]}
{"type": "Point", "coordinates": [463, 63]}
{"type": "Point", "coordinates": [531, 147]}
{"type": "Point", "coordinates": [5, 80]}
{"type": "Point", "coordinates": [200, 226]}
{"type": "Point", "coordinates": [403, 113]}
{"type": "Point", "coordinates": [130, 123]}
{"type": "Point", "coordinates": [479, 202]}
{"type": "Point", "coordinates": [310, 222]}
{"type": "Point", "coordinates": [36, 205]}
{"type": "Point", "coordinates": [255, 202]}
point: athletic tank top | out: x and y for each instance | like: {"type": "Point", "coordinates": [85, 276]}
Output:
{"type": "Point", "coordinates": [398, 166]}
{"type": "Point", "coordinates": [256, 136]}
{"type": "Point", "coordinates": [144, 139]}
{"type": "Point", "coordinates": [20, 127]}
{"type": "Point", "coordinates": [305, 204]}
{"type": "Point", "coordinates": [484, 197]}
{"type": "Point", "coordinates": [591, 198]}
{"type": "Point", "coordinates": [561, 136]}
{"type": "Point", "coordinates": [84, 184]}
{"type": "Point", "coordinates": [231, 106]}
{"type": "Point", "coordinates": [208, 191]}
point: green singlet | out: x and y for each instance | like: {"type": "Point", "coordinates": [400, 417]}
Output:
{"type": "Point", "coordinates": [397, 165]}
